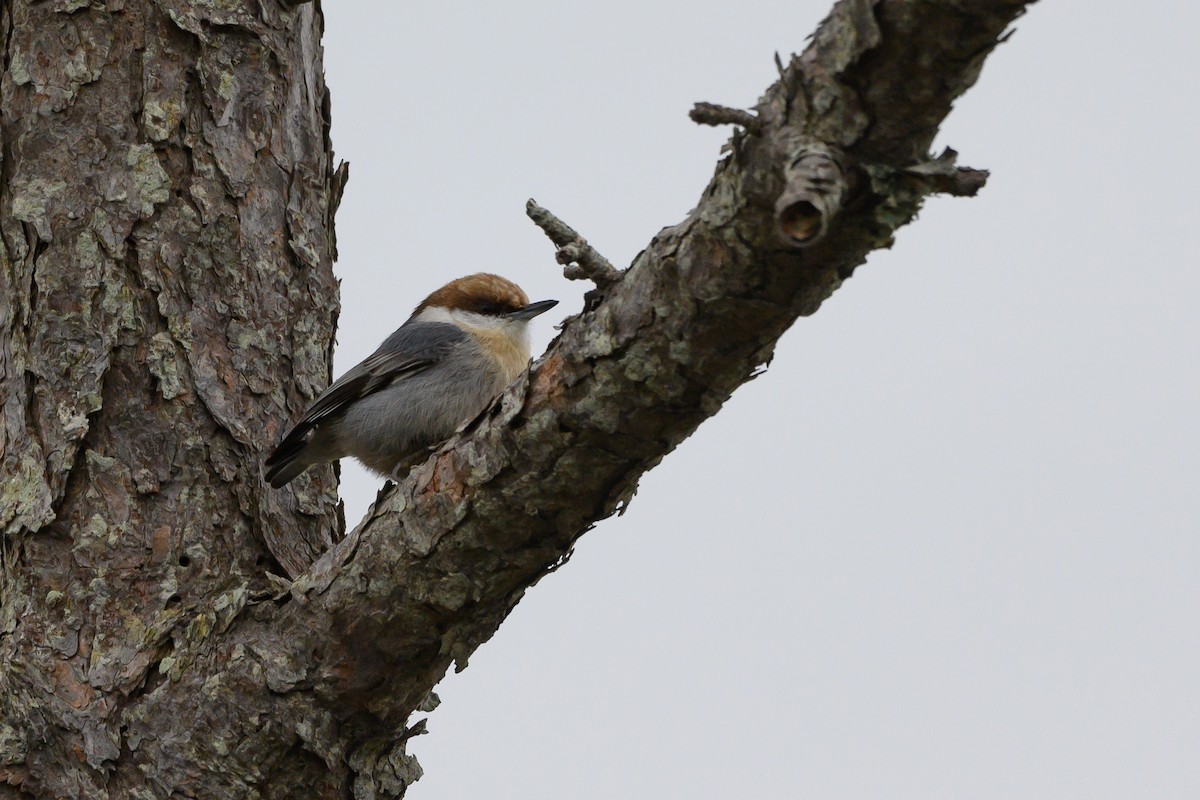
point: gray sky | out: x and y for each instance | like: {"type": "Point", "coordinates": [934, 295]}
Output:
{"type": "Point", "coordinates": [947, 547]}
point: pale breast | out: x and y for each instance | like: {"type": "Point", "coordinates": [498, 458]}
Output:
{"type": "Point", "coordinates": [511, 352]}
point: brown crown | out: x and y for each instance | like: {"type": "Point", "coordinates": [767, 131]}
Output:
{"type": "Point", "coordinates": [483, 293]}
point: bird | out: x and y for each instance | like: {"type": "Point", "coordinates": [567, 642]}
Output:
{"type": "Point", "coordinates": [462, 346]}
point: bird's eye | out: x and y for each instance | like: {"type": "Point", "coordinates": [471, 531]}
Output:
{"type": "Point", "coordinates": [489, 308]}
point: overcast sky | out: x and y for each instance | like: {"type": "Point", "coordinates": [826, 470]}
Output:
{"type": "Point", "coordinates": [949, 545]}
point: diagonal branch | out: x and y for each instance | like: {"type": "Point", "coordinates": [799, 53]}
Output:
{"type": "Point", "coordinates": [442, 559]}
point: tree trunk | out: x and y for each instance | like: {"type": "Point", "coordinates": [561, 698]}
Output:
{"type": "Point", "coordinates": [168, 308]}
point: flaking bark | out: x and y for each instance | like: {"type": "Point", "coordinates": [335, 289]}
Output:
{"type": "Point", "coordinates": [166, 304]}
{"type": "Point", "coordinates": [166, 211]}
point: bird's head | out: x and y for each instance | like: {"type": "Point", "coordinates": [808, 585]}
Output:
{"type": "Point", "coordinates": [482, 302]}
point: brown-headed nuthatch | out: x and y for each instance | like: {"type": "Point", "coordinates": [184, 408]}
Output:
{"type": "Point", "coordinates": [460, 348]}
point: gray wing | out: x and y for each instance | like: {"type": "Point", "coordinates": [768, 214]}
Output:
{"type": "Point", "coordinates": [414, 347]}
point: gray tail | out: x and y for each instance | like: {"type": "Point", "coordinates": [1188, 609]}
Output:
{"type": "Point", "coordinates": [288, 460]}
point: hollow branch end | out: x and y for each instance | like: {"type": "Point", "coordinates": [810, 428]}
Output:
{"type": "Point", "coordinates": [815, 189]}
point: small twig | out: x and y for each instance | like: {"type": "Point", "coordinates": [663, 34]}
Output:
{"type": "Point", "coordinates": [420, 729]}
{"type": "Point", "coordinates": [943, 176]}
{"type": "Point", "coordinates": [580, 260]}
{"type": "Point", "coordinates": [713, 114]}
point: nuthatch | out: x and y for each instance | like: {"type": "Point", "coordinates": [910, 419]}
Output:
{"type": "Point", "coordinates": [460, 348]}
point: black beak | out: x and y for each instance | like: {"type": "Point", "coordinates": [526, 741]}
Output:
{"type": "Point", "coordinates": [533, 309]}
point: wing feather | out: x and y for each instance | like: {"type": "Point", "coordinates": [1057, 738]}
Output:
{"type": "Point", "coordinates": [413, 348]}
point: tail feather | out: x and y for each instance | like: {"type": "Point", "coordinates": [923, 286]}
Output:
{"type": "Point", "coordinates": [282, 474]}
{"type": "Point", "coordinates": [288, 460]}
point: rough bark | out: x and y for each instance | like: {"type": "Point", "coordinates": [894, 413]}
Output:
{"type": "Point", "coordinates": [168, 306]}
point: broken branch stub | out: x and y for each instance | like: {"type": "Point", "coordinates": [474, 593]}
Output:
{"type": "Point", "coordinates": [813, 194]}
{"type": "Point", "coordinates": [579, 259]}
{"type": "Point", "coordinates": [713, 114]}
